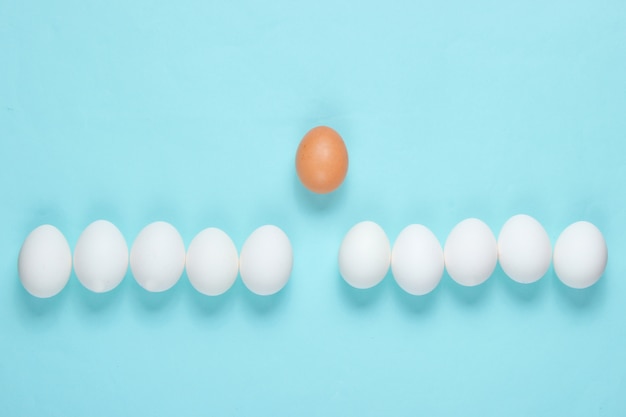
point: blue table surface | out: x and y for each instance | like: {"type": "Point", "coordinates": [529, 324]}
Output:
{"type": "Point", "coordinates": [191, 112]}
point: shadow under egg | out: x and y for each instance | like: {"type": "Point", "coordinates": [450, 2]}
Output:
{"type": "Point", "coordinates": [209, 305]}
{"type": "Point", "coordinates": [154, 301]}
{"type": "Point", "coordinates": [415, 304]}
{"type": "Point", "coordinates": [590, 298]}
{"type": "Point", "coordinates": [264, 305]}
{"type": "Point", "coordinates": [93, 302]}
{"type": "Point", "coordinates": [520, 292]}
{"type": "Point", "coordinates": [469, 296]}
{"type": "Point", "coordinates": [318, 203]}
{"type": "Point", "coordinates": [35, 308]}
{"type": "Point", "coordinates": [359, 298]}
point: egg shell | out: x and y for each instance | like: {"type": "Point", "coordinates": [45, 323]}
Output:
{"type": "Point", "coordinates": [101, 257]}
{"type": "Point", "coordinates": [524, 249]}
{"type": "Point", "coordinates": [45, 262]}
{"type": "Point", "coordinates": [212, 262]}
{"type": "Point", "coordinates": [266, 260]}
{"type": "Point", "coordinates": [322, 160]}
{"type": "Point", "coordinates": [580, 255]}
{"type": "Point", "coordinates": [364, 255]}
{"type": "Point", "coordinates": [470, 252]}
{"type": "Point", "coordinates": [157, 258]}
{"type": "Point", "coordinates": [417, 260]}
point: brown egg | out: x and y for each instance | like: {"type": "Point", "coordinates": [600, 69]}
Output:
{"type": "Point", "coordinates": [322, 160]}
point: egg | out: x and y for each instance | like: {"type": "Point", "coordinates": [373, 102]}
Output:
{"type": "Point", "coordinates": [470, 252]}
{"type": "Point", "coordinates": [212, 262]}
{"type": "Point", "coordinates": [364, 255]}
{"type": "Point", "coordinates": [322, 160]}
{"type": "Point", "coordinates": [417, 260]}
{"type": "Point", "coordinates": [580, 255]}
{"type": "Point", "coordinates": [266, 260]}
{"type": "Point", "coordinates": [524, 249]}
{"type": "Point", "coordinates": [157, 258]}
{"type": "Point", "coordinates": [45, 262]}
{"type": "Point", "coordinates": [101, 257]}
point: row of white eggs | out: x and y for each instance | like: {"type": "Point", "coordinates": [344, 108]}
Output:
{"type": "Point", "coordinates": [157, 259]}
{"type": "Point", "coordinates": [470, 254]}
{"type": "Point", "coordinates": [417, 260]}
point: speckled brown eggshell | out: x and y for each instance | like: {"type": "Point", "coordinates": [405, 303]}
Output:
{"type": "Point", "coordinates": [322, 160]}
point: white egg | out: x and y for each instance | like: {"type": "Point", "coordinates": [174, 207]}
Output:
{"type": "Point", "coordinates": [157, 257]}
{"type": "Point", "coordinates": [101, 257]}
{"type": "Point", "coordinates": [471, 252]}
{"type": "Point", "coordinates": [212, 262]}
{"type": "Point", "coordinates": [45, 262]}
{"type": "Point", "coordinates": [266, 260]}
{"type": "Point", "coordinates": [417, 260]}
{"type": "Point", "coordinates": [524, 249]}
{"type": "Point", "coordinates": [580, 255]}
{"type": "Point", "coordinates": [364, 255]}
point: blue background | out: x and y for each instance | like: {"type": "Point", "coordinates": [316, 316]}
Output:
{"type": "Point", "coordinates": [191, 112]}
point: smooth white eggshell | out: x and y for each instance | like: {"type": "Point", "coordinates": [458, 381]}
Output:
{"type": "Point", "coordinates": [101, 257]}
{"type": "Point", "coordinates": [266, 260]}
{"type": "Point", "coordinates": [470, 252]}
{"type": "Point", "coordinates": [580, 255]}
{"type": "Point", "coordinates": [524, 249]}
{"type": "Point", "coordinates": [417, 260]}
{"type": "Point", "coordinates": [45, 262]}
{"type": "Point", "coordinates": [157, 258]}
{"type": "Point", "coordinates": [212, 262]}
{"type": "Point", "coordinates": [364, 255]}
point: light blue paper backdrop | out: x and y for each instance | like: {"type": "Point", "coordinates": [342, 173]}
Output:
{"type": "Point", "coordinates": [191, 112]}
